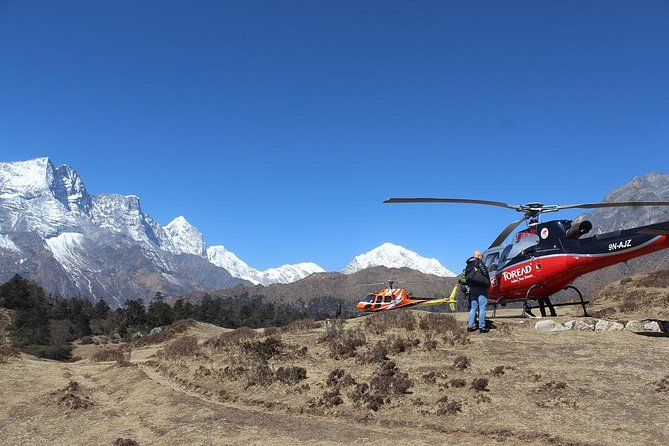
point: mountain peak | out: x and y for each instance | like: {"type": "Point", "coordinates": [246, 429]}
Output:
{"type": "Point", "coordinates": [185, 238]}
{"type": "Point", "coordinates": [396, 256]}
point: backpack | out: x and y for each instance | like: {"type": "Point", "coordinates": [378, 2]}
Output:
{"type": "Point", "coordinates": [475, 276]}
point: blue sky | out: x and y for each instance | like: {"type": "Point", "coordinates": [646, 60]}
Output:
{"type": "Point", "coordinates": [279, 127]}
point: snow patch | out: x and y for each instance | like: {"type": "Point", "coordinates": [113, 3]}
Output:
{"type": "Point", "coordinates": [7, 244]}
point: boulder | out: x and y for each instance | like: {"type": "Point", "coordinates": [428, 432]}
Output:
{"type": "Point", "coordinates": [578, 325]}
{"type": "Point", "coordinates": [549, 325]}
{"type": "Point", "coordinates": [155, 330]}
{"type": "Point", "coordinates": [634, 326]}
{"type": "Point", "coordinates": [603, 325]}
{"type": "Point", "coordinates": [652, 326]}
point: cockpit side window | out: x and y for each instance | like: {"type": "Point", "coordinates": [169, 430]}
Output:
{"type": "Point", "coordinates": [491, 261]}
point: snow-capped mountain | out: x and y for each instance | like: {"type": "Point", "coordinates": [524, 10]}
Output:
{"type": "Point", "coordinates": [77, 244]}
{"type": "Point", "coordinates": [220, 256]}
{"type": "Point", "coordinates": [185, 237]}
{"type": "Point", "coordinates": [395, 256]}
{"type": "Point", "coordinates": [98, 246]}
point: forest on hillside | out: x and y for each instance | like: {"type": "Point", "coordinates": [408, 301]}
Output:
{"type": "Point", "coordinates": [45, 326]}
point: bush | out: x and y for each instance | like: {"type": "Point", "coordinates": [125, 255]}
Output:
{"type": "Point", "coordinates": [264, 350]}
{"type": "Point", "coordinates": [302, 325]}
{"type": "Point", "coordinates": [339, 377]}
{"type": "Point", "coordinates": [86, 340]}
{"type": "Point", "coordinates": [261, 375]}
{"type": "Point", "coordinates": [291, 375]}
{"type": "Point", "coordinates": [233, 337]}
{"type": "Point", "coordinates": [125, 442]}
{"type": "Point", "coordinates": [7, 352]}
{"type": "Point", "coordinates": [480, 384]}
{"type": "Point", "coordinates": [112, 354]}
{"type": "Point", "coordinates": [55, 352]}
{"type": "Point", "coordinates": [383, 322]}
{"type": "Point", "coordinates": [183, 346]}
{"type": "Point", "coordinates": [448, 407]}
{"type": "Point", "coordinates": [346, 344]}
{"type": "Point", "coordinates": [439, 323]}
{"type": "Point", "coordinates": [461, 362]}
{"type": "Point", "coordinates": [271, 331]}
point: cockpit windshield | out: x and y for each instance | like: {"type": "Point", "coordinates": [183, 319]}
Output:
{"type": "Point", "coordinates": [521, 245]}
{"type": "Point", "coordinates": [369, 298]}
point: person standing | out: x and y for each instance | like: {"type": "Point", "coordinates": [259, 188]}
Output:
{"type": "Point", "coordinates": [478, 281]}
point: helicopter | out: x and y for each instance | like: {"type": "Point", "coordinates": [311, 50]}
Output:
{"type": "Point", "coordinates": [546, 258]}
{"type": "Point", "coordinates": [394, 298]}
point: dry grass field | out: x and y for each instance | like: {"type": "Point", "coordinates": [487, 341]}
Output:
{"type": "Point", "coordinates": [395, 378]}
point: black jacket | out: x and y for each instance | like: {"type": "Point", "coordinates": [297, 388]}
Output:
{"type": "Point", "coordinates": [475, 289]}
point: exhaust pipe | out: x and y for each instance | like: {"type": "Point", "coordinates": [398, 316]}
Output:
{"type": "Point", "coordinates": [580, 229]}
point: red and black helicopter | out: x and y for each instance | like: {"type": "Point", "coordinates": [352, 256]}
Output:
{"type": "Point", "coordinates": [546, 258]}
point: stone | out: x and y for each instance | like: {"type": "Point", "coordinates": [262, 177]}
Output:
{"type": "Point", "coordinates": [603, 325]}
{"type": "Point", "coordinates": [155, 330]}
{"type": "Point", "coordinates": [634, 326]}
{"type": "Point", "coordinates": [549, 325]}
{"type": "Point", "coordinates": [652, 326]}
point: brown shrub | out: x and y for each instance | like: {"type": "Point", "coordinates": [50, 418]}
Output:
{"type": "Point", "coordinates": [552, 386]}
{"type": "Point", "coordinates": [334, 328]}
{"type": "Point", "coordinates": [389, 379]}
{"type": "Point", "coordinates": [480, 384]}
{"type": "Point", "coordinates": [361, 395]}
{"type": "Point", "coordinates": [662, 385]}
{"type": "Point", "coordinates": [385, 321]}
{"type": "Point", "coordinates": [291, 375]}
{"type": "Point", "coordinates": [451, 408]}
{"type": "Point", "coordinates": [111, 354]}
{"type": "Point", "coordinates": [125, 442]}
{"type": "Point", "coordinates": [167, 333]}
{"type": "Point", "coordinates": [7, 352]}
{"type": "Point", "coordinates": [497, 371]}
{"type": "Point", "coordinates": [234, 337]}
{"type": "Point", "coordinates": [272, 331]}
{"type": "Point", "coordinates": [346, 344]}
{"type": "Point", "coordinates": [70, 397]}
{"type": "Point", "coordinates": [330, 398]}
{"type": "Point", "coordinates": [446, 407]}
{"type": "Point", "coordinates": [264, 350]}
{"type": "Point", "coordinates": [302, 325]}
{"type": "Point", "coordinates": [439, 323]}
{"type": "Point", "coordinates": [378, 353]}
{"type": "Point", "coordinates": [457, 382]}
{"type": "Point", "coordinates": [183, 346]}
{"type": "Point", "coordinates": [339, 377]}
{"type": "Point", "coordinates": [461, 362]}
{"type": "Point", "coordinates": [260, 375]}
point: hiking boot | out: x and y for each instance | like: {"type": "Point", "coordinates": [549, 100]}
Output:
{"type": "Point", "coordinates": [470, 329]}
{"type": "Point", "coordinates": [483, 330]}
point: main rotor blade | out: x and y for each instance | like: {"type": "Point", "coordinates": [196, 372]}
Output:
{"type": "Point", "coordinates": [450, 200]}
{"type": "Point", "coordinates": [613, 204]}
{"type": "Point", "coordinates": [505, 233]}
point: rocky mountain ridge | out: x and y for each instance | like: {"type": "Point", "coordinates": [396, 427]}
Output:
{"type": "Point", "coordinates": [74, 243]}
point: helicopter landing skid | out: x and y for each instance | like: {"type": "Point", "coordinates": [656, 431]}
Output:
{"type": "Point", "coordinates": [527, 308]}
